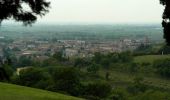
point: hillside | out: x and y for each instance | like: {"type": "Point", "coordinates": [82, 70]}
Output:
{"type": "Point", "coordinates": [150, 58]}
{"type": "Point", "coordinates": [10, 92]}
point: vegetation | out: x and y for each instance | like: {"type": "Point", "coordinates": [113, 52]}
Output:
{"type": "Point", "coordinates": [166, 18]}
{"type": "Point", "coordinates": [114, 76]}
{"type": "Point", "coordinates": [163, 67]}
{"type": "Point", "coordinates": [118, 76]}
{"type": "Point", "coordinates": [9, 92]}
{"type": "Point", "coordinates": [150, 58]}
{"type": "Point", "coordinates": [14, 9]}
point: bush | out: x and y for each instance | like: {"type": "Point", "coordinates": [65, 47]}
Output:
{"type": "Point", "coordinates": [163, 67]}
{"type": "Point", "coordinates": [152, 95]}
{"type": "Point", "coordinates": [66, 80]}
{"type": "Point", "coordinates": [33, 77]}
{"type": "Point", "coordinates": [98, 90]}
{"type": "Point", "coordinates": [81, 62]}
{"type": "Point", "coordinates": [93, 68]}
{"type": "Point", "coordinates": [119, 94]}
{"type": "Point", "coordinates": [137, 87]}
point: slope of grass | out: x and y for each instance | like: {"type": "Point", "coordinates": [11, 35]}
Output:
{"type": "Point", "coordinates": [121, 79]}
{"type": "Point", "coordinates": [15, 92]}
{"type": "Point", "coordinates": [150, 58]}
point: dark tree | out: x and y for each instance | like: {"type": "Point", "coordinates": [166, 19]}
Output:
{"type": "Point", "coordinates": [3, 74]}
{"type": "Point", "coordinates": [15, 9]}
{"type": "Point", "coordinates": [166, 20]}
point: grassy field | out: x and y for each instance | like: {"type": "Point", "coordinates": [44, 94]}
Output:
{"type": "Point", "coordinates": [15, 92]}
{"type": "Point", "coordinates": [122, 78]}
{"type": "Point", "coordinates": [150, 58]}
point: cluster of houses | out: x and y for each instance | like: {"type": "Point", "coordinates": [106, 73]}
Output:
{"type": "Point", "coordinates": [42, 49]}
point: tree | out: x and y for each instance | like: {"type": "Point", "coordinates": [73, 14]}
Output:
{"type": "Point", "coordinates": [133, 67]}
{"type": "Point", "coordinates": [166, 20]}
{"type": "Point", "coordinates": [138, 86]}
{"type": "Point", "coordinates": [98, 90]}
{"type": "Point", "coordinates": [59, 56]}
{"type": "Point", "coordinates": [119, 94]}
{"type": "Point", "coordinates": [93, 68]}
{"type": "Point", "coordinates": [81, 62]}
{"type": "Point", "coordinates": [3, 74]}
{"type": "Point", "coordinates": [33, 77]}
{"type": "Point", "coordinates": [162, 67]}
{"type": "Point", "coordinates": [126, 57]}
{"type": "Point", "coordinates": [5, 70]}
{"type": "Point", "coordinates": [66, 80]}
{"type": "Point", "coordinates": [25, 61]}
{"type": "Point", "coordinates": [164, 50]}
{"type": "Point", "coordinates": [14, 9]}
{"type": "Point", "coordinates": [97, 57]}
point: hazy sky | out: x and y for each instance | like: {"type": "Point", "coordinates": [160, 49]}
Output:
{"type": "Point", "coordinates": [104, 11]}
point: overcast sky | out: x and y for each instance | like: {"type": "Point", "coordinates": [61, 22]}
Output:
{"type": "Point", "coordinates": [104, 11]}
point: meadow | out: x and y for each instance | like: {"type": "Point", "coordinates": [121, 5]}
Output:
{"type": "Point", "coordinates": [150, 58]}
{"type": "Point", "coordinates": [10, 92]}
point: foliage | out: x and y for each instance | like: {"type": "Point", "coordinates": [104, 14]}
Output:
{"type": "Point", "coordinates": [163, 67]}
{"type": "Point", "coordinates": [165, 50]}
{"type": "Point", "coordinates": [14, 9]}
{"type": "Point", "coordinates": [152, 95]}
{"type": "Point", "coordinates": [137, 86]}
{"type": "Point", "coordinates": [3, 74]}
{"type": "Point", "coordinates": [144, 50]}
{"type": "Point", "coordinates": [49, 62]}
{"type": "Point", "coordinates": [93, 68]}
{"type": "Point", "coordinates": [150, 58]}
{"type": "Point", "coordinates": [119, 94]}
{"type": "Point", "coordinates": [81, 62]}
{"type": "Point", "coordinates": [9, 71]}
{"type": "Point", "coordinates": [126, 56]}
{"type": "Point", "coordinates": [33, 77]}
{"type": "Point", "coordinates": [133, 67]}
{"type": "Point", "coordinates": [97, 57]}
{"type": "Point", "coordinates": [24, 61]}
{"type": "Point", "coordinates": [98, 90]}
{"type": "Point", "coordinates": [166, 18]}
{"type": "Point", "coordinates": [107, 60]}
{"type": "Point", "coordinates": [66, 80]}
{"type": "Point", "coordinates": [58, 56]}
{"type": "Point", "coordinates": [78, 82]}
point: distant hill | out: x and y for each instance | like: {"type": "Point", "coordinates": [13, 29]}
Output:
{"type": "Point", "coordinates": [15, 92]}
{"type": "Point", "coordinates": [84, 32]}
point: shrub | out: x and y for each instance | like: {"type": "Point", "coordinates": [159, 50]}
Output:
{"type": "Point", "coordinates": [33, 77]}
{"type": "Point", "coordinates": [66, 80]}
{"type": "Point", "coordinates": [137, 86]}
{"type": "Point", "coordinates": [163, 67]}
{"type": "Point", "coordinates": [93, 68]}
{"type": "Point", "coordinates": [98, 90]}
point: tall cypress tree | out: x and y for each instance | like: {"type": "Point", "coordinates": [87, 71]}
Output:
{"type": "Point", "coordinates": [166, 20]}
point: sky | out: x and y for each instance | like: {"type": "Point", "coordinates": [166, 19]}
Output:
{"type": "Point", "coordinates": [103, 11]}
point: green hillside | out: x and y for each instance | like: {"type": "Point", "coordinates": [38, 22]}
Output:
{"type": "Point", "coordinates": [15, 92]}
{"type": "Point", "coordinates": [150, 58]}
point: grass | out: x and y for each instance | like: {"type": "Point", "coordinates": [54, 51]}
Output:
{"type": "Point", "coordinates": [122, 79]}
{"type": "Point", "coordinates": [15, 92]}
{"type": "Point", "coordinates": [150, 58]}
